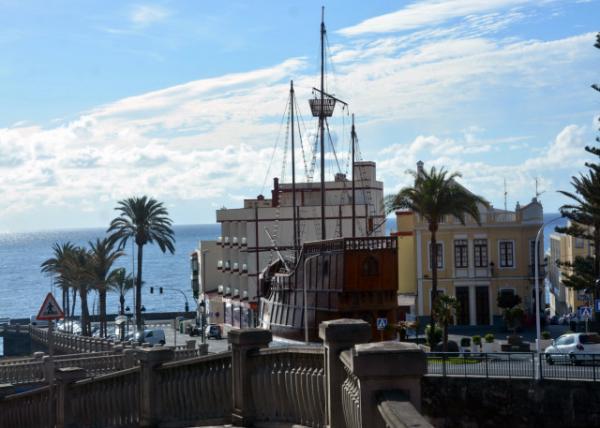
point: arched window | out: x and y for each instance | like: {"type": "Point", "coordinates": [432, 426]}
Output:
{"type": "Point", "coordinates": [370, 266]}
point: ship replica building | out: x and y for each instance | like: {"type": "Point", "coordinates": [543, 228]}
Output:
{"type": "Point", "coordinates": [313, 251]}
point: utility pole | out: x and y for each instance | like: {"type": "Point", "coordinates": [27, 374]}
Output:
{"type": "Point", "coordinates": [322, 123]}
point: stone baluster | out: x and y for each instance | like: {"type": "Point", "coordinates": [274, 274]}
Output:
{"type": "Point", "coordinates": [190, 344]}
{"type": "Point", "coordinates": [64, 377]}
{"type": "Point", "coordinates": [129, 358]}
{"type": "Point", "coordinates": [385, 366]}
{"type": "Point", "coordinates": [150, 399]}
{"type": "Point", "coordinates": [48, 367]}
{"type": "Point", "coordinates": [339, 335]}
{"type": "Point", "coordinates": [242, 342]}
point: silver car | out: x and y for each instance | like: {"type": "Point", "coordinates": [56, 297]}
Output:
{"type": "Point", "coordinates": [574, 348]}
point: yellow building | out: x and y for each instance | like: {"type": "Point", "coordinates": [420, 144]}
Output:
{"type": "Point", "coordinates": [475, 263]}
{"type": "Point", "coordinates": [566, 248]}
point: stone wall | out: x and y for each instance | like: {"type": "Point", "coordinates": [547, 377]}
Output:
{"type": "Point", "coordinates": [479, 402]}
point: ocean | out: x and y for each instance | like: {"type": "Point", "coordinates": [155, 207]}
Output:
{"type": "Point", "coordinates": [23, 286]}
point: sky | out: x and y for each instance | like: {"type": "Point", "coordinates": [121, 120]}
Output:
{"type": "Point", "coordinates": [186, 101]}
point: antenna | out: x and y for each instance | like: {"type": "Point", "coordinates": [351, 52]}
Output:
{"type": "Point", "coordinates": [505, 195]}
{"type": "Point", "coordinates": [537, 192]}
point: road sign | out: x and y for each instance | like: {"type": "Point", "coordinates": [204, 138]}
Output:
{"type": "Point", "coordinates": [585, 312]}
{"type": "Point", "coordinates": [382, 323]}
{"type": "Point", "coordinates": [597, 305]}
{"type": "Point", "coordinates": [50, 309]}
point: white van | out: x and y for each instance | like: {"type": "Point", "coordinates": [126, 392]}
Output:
{"type": "Point", "coordinates": [153, 337]}
{"type": "Point", "coordinates": [36, 322]}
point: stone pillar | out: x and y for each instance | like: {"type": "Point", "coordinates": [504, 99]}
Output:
{"type": "Point", "coordinates": [242, 342]}
{"type": "Point", "coordinates": [150, 400]}
{"type": "Point", "coordinates": [203, 348]}
{"type": "Point", "coordinates": [190, 344]}
{"type": "Point", "coordinates": [339, 335]}
{"type": "Point", "coordinates": [48, 369]}
{"type": "Point", "coordinates": [38, 355]}
{"type": "Point", "coordinates": [129, 358]}
{"type": "Point", "coordinates": [385, 366]}
{"type": "Point", "coordinates": [64, 377]}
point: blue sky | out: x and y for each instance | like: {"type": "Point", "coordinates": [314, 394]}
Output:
{"type": "Point", "coordinates": [183, 100]}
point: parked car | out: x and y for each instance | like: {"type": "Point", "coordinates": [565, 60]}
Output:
{"type": "Point", "coordinates": [213, 331]}
{"type": "Point", "coordinates": [574, 348]}
{"type": "Point", "coordinates": [153, 337]}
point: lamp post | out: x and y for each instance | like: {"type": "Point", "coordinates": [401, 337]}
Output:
{"type": "Point", "coordinates": [305, 294]}
{"type": "Point", "coordinates": [538, 333]}
{"type": "Point", "coordinates": [202, 307]}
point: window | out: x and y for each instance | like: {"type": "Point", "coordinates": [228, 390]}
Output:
{"type": "Point", "coordinates": [370, 267]}
{"type": "Point", "coordinates": [440, 256]}
{"type": "Point", "coordinates": [480, 252]}
{"type": "Point", "coordinates": [579, 243]}
{"type": "Point", "coordinates": [507, 254]}
{"type": "Point", "coordinates": [461, 254]}
{"type": "Point", "coordinates": [532, 252]}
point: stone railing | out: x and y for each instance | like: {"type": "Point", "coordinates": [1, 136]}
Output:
{"type": "Point", "coordinates": [22, 372]}
{"type": "Point", "coordinates": [195, 390]}
{"type": "Point", "coordinates": [345, 383]}
{"type": "Point", "coordinates": [27, 409]}
{"type": "Point", "coordinates": [291, 383]}
{"type": "Point", "coordinates": [70, 343]}
{"type": "Point", "coordinates": [110, 400]}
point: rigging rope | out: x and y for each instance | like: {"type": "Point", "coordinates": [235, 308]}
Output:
{"type": "Point", "coordinates": [274, 149]}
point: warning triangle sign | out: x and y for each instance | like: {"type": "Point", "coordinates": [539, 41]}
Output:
{"type": "Point", "coordinates": [50, 309]}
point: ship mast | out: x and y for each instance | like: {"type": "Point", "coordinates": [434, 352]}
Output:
{"type": "Point", "coordinates": [294, 219]}
{"type": "Point", "coordinates": [353, 142]}
{"type": "Point", "coordinates": [322, 123]}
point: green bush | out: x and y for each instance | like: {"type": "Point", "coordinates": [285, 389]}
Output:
{"type": "Point", "coordinates": [477, 340]}
{"type": "Point", "coordinates": [465, 341]}
{"type": "Point", "coordinates": [546, 335]}
{"type": "Point", "coordinates": [433, 337]}
{"type": "Point", "coordinates": [489, 338]}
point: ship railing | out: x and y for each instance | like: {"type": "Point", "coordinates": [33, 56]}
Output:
{"type": "Point", "coordinates": [350, 244]}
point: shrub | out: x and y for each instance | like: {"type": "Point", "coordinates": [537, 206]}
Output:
{"type": "Point", "coordinates": [477, 340]}
{"type": "Point", "coordinates": [546, 335]}
{"type": "Point", "coordinates": [433, 336]}
{"type": "Point", "coordinates": [489, 338]}
{"type": "Point", "coordinates": [465, 341]}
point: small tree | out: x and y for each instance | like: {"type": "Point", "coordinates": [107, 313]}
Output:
{"type": "Point", "coordinates": [446, 307]}
{"type": "Point", "coordinates": [512, 313]}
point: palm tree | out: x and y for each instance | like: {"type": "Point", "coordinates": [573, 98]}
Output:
{"type": "Point", "coordinates": [445, 309]}
{"type": "Point", "coordinates": [102, 257]}
{"type": "Point", "coordinates": [78, 271]}
{"type": "Point", "coordinates": [146, 221]}
{"type": "Point", "coordinates": [436, 194]}
{"type": "Point", "coordinates": [54, 266]}
{"type": "Point", "coordinates": [121, 282]}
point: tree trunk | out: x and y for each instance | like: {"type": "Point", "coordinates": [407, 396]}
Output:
{"type": "Point", "coordinates": [596, 268]}
{"type": "Point", "coordinates": [73, 308]}
{"type": "Point", "coordinates": [67, 304]}
{"type": "Point", "coordinates": [103, 326]}
{"type": "Point", "coordinates": [445, 348]}
{"type": "Point", "coordinates": [122, 301]}
{"type": "Point", "coordinates": [85, 314]}
{"type": "Point", "coordinates": [433, 251]}
{"type": "Point", "coordinates": [138, 290]}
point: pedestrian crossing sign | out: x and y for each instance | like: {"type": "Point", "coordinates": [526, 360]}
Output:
{"type": "Point", "coordinates": [382, 323]}
{"type": "Point", "coordinates": [50, 309]}
{"type": "Point", "coordinates": [585, 312]}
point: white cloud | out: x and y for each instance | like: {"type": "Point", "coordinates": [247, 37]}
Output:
{"type": "Point", "coordinates": [426, 13]}
{"type": "Point", "coordinates": [145, 14]}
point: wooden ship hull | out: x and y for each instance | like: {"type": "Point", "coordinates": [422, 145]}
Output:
{"type": "Point", "coordinates": [345, 278]}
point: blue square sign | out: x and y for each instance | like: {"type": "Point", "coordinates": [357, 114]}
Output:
{"type": "Point", "coordinates": [597, 305]}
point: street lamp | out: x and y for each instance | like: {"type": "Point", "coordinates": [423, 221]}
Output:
{"type": "Point", "coordinates": [202, 307]}
{"type": "Point", "coordinates": [536, 275]}
{"type": "Point", "coordinates": [308, 259]}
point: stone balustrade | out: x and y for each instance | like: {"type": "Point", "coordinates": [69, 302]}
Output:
{"type": "Point", "coordinates": [70, 343]}
{"type": "Point", "coordinates": [345, 383]}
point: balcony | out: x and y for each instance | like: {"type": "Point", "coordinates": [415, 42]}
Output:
{"type": "Point", "coordinates": [228, 291]}
{"type": "Point", "coordinates": [220, 289]}
{"type": "Point", "coordinates": [245, 268]}
{"type": "Point", "coordinates": [220, 264]}
{"type": "Point", "coordinates": [226, 240]}
{"type": "Point", "coordinates": [244, 295]}
{"type": "Point", "coordinates": [234, 240]}
{"type": "Point", "coordinates": [227, 265]}
{"type": "Point", "coordinates": [235, 267]}
{"type": "Point", "coordinates": [243, 241]}
{"type": "Point", "coordinates": [236, 292]}
{"type": "Point", "coordinates": [220, 240]}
